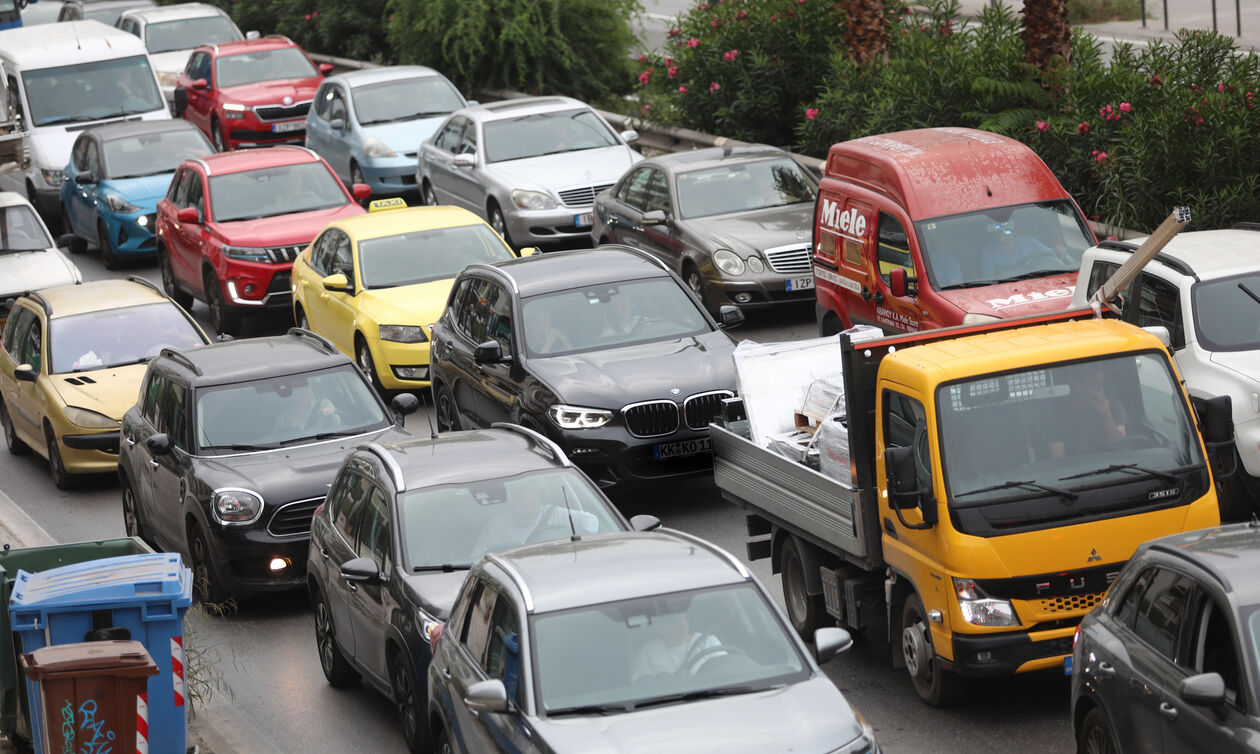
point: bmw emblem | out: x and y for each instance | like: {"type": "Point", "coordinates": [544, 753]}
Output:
{"type": "Point", "coordinates": [674, 391]}
{"type": "Point", "coordinates": [288, 100]}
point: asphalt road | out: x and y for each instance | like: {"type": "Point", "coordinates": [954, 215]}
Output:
{"type": "Point", "coordinates": [273, 696]}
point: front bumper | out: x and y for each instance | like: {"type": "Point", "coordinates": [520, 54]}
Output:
{"type": "Point", "coordinates": [132, 233]}
{"type": "Point", "coordinates": [987, 655]}
{"type": "Point", "coordinates": [389, 175]}
{"type": "Point", "coordinates": [90, 453]}
{"type": "Point", "coordinates": [391, 357]}
{"type": "Point", "coordinates": [251, 132]}
{"type": "Point", "coordinates": [612, 457]}
{"type": "Point", "coordinates": [242, 558]}
{"type": "Point", "coordinates": [256, 286]}
{"type": "Point", "coordinates": [756, 291]}
{"type": "Point", "coordinates": [543, 226]}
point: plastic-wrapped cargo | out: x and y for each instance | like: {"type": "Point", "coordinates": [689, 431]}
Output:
{"type": "Point", "coordinates": [824, 397]}
{"type": "Point", "coordinates": [832, 443]}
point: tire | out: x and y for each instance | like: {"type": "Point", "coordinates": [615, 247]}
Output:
{"type": "Point", "coordinates": [206, 586]}
{"type": "Point", "coordinates": [216, 136]}
{"type": "Point", "coordinates": [336, 668]}
{"type": "Point", "coordinates": [410, 703]}
{"type": "Point", "coordinates": [131, 512]}
{"type": "Point", "coordinates": [691, 276]}
{"type": "Point", "coordinates": [222, 318]}
{"type": "Point", "coordinates": [363, 357]}
{"type": "Point", "coordinates": [1095, 736]}
{"type": "Point", "coordinates": [299, 319]}
{"type": "Point", "coordinates": [830, 325]}
{"type": "Point", "coordinates": [442, 743]}
{"type": "Point", "coordinates": [56, 467]}
{"type": "Point", "coordinates": [16, 446]}
{"type": "Point", "coordinates": [77, 245]}
{"type": "Point", "coordinates": [110, 259]}
{"type": "Point", "coordinates": [806, 611]}
{"type": "Point", "coordinates": [356, 175]}
{"type": "Point", "coordinates": [498, 222]}
{"type": "Point", "coordinates": [445, 410]}
{"type": "Point", "coordinates": [427, 196]}
{"type": "Point", "coordinates": [935, 685]}
{"type": "Point", "coordinates": [177, 294]}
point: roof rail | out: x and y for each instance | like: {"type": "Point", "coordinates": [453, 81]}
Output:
{"type": "Point", "coordinates": [182, 359]}
{"type": "Point", "coordinates": [376, 449]}
{"type": "Point", "coordinates": [319, 340]}
{"type": "Point", "coordinates": [516, 576]}
{"type": "Point", "coordinates": [204, 165]}
{"type": "Point", "coordinates": [39, 299]}
{"type": "Point", "coordinates": [538, 437]}
{"type": "Point", "coordinates": [147, 284]}
{"type": "Point", "coordinates": [1117, 245]}
{"type": "Point", "coordinates": [1171, 263]}
{"type": "Point", "coordinates": [483, 266]}
{"type": "Point", "coordinates": [734, 561]}
{"type": "Point", "coordinates": [1246, 226]}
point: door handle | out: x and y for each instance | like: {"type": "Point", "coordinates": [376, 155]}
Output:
{"type": "Point", "coordinates": [879, 298]}
{"type": "Point", "coordinates": [446, 673]}
{"type": "Point", "coordinates": [1167, 711]}
{"type": "Point", "coordinates": [131, 442]}
{"type": "Point", "coordinates": [352, 586]}
{"type": "Point", "coordinates": [1106, 670]}
{"type": "Point", "coordinates": [324, 552]}
{"type": "Point", "coordinates": [153, 464]}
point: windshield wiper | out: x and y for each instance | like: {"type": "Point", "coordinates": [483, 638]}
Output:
{"type": "Point", "coordinates": [1068, 495]}
{"type": "Point", "coordinates": [1243, 287]}
{"type": "Point", "coordinates": [688, 696]}
{"type": "Point", "coordinates": [444, 568]}
{"type": "Point", "coordinates": [972, 284]}
{"type": "Point", "coordinates": [590, 709]}
{"type": "Point", "coordinates": [325, 435]}
{"type": "Point", "coordinates": [240, 446]}
{"type": "Point", "coordinates": [1036, 274]}
{"type": "Point", "coordinates": [1167, 477]}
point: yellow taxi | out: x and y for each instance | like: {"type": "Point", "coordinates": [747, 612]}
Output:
{"type": "Point", "coordinates": [71, 364]}
{"type": "Point", "coordinates": [373, 284]}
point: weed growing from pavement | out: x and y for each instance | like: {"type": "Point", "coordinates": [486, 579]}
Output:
{"type": "Point", "coordinates": [203, 672]}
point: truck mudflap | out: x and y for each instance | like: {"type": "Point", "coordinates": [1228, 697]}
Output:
{"type": "Point", "coordinates": [990, 655]}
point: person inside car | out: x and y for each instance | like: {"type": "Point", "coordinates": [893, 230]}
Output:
{"type": "Point", "coordinates": [525, 516]}
{"type": "Point", "coordinates": [1089, 420]}
{"type": "Point", "coordinates": [675, 647]}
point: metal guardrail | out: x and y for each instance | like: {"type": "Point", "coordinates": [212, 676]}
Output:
{"type": "Point", "coordinates": [1237, 16]}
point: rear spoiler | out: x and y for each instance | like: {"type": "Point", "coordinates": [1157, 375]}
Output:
{"type": "Point", "coordinates": [1121, 278]}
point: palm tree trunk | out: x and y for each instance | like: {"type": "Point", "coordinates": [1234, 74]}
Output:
{"type": "Point", "coordinates": [1046, 33]}
{"type": "Point", "coordinates": [865, 30]}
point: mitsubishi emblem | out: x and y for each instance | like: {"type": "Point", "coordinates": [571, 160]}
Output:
{"type": "Point", "coordinates": [674, 391]}
{"type": "Point", "coordinates": [288, 100]}
{"type": "Point", "coordinates": [1093, 555]}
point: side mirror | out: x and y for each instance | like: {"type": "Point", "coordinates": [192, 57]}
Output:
{"type": "Point", "coordinates": [630, 136]}
{"type": "Point", "coordinates": [188, 215]}
{"type": "Point", "coordinates": [1162, 333]}
{"type": "Point", "coordinates": [902, 484]}
{"type": "Point", "coordinates": [361, 191]}
{"type": "Point", "coordinates": [900, 284]}
{"type": "Point", "coordinates": [159, 444]}
{"type": "Point", "coordinates": [84, 178]}
{"type": "Point", "coordinates": [325, 68]}
{"type": "Point", "coordinates": [253, 34]}
{"type": "Point", "coordinates": [337, 282]}
{"type": "Point", "coordinates": [464, 161]}
{"type": "Point", "coordinates": [829, 642]}
{"type": "Point", "coordinates": [223, 338]}
{"type": "Point", "coordinates": [360, 571]}
{"type": "Point", "coordinates": [644, 522]}
{"type": "Point", "coordinates": [487, 696]}
{"type": "Point", "coordinates": [64, 240]}
{"type": "Point", "coordinates": [528, 251]}
{"type": "Point", "coordinates": [180, 103]}
{"type": "Point", "coordinates": [1205, 689]}
{"type": "Point", "coordinates": [655, 217]}
{"type": "Point", "coordinates": [1216, 420]}
{"type": "Point", "coordinates": [489, 352]}
{"type": "Point", "coordinates": [337, 124]}
{"type": "Point", "coordinates": [200, 84]}
{"type": "Point", "coordinates": [471, 103]}
{"type": "Point", "coordinates": [24, 373]}
{"type": "Point", "coordinates": [730, 316]}
{"type": "Point", "coordinates": [404, 404]}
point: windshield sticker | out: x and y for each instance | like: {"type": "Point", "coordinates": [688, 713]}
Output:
{"type": "Point", "coordinates": [1033, 297]}
{"type": "Point", "coordinates": [849, 284]}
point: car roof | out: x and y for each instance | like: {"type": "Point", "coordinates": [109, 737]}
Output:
{"type": "Point", "coordinates": [515, 108]}
{"type": "Point", "coordinates": [269, 42]}
{"type": "Point", "coordinates": [386, 73]}
{"type": "Point", "coordinates": [1231, 553]}
{"type": "Point", "coordinates": [460, 457]}
{"type": "Point", "coordinates": [243, 160]}
{"type": "Point", "coordinates": [13, 198]}
{"type": "Point", "coordinates": [698, 159]}
{"type": "Point", "coordinates": [601, 568]}
{"type": "Point", "coordinates": [67, 43]}
{"type": "Point", "coordinates": [95, 296]}
{"type": "Point", "coordinates": [174, 12]}
{"type": "Point", "coordinates": [254, 358]}
{"type": "Point", "coordinates": [561, 270]}
{"type": "Point", "coordinates": [1202, 253]}
{"type": "Point", "coordinates": [122, 129]}
{"type": "Point", "coordinates": [394, 221]}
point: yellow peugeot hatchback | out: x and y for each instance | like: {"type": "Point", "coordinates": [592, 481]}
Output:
{"type": "Point", "coordinates": [71, 364]}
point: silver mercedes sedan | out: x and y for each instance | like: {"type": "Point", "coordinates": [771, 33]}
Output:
{"type": "Point", "coordinates": [531, 166]}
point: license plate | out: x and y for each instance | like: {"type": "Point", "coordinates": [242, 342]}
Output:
{"type": "Point", "coordinates": [583, 220]}
{"type": "Point", "coordinates": [800, 284]}
{"type": "Point", "coordinates": [1067, 665]}
{"type": "Point", "coordinates": [293, 125]}
{"type": "Point", "coordinates": [684, 448]}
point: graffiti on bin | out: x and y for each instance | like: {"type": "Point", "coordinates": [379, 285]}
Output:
{"type": "Point", "coordinates": [102, 741]}
{"type": "Point", "coordinates": [67, 728]}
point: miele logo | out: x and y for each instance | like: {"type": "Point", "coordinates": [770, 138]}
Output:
{"type": "Point", "coordinates": [1161, 494]}
{"type": "Point", "coordinates": [849, 222]}
{"type": "Point", "coordinates": [1032, 297]}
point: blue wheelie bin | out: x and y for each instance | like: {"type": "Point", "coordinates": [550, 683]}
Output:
{"type": "Point", "coordinates": [135, 597]}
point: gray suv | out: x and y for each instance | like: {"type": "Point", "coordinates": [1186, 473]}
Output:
{"type": "Point", "coordinates": [630, 642]}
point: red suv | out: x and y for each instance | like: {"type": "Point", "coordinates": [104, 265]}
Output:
{"type": "Point", "coordinates": [231, 225]}
{"type": "Point", "coordinates": [249, 93]}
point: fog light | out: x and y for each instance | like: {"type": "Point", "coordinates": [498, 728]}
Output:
{"type": "Point", "coordinates": [143, 221]}
{"type": "Point", "coordinates": [984, 656]}
{"type": "Point", "coordinates": [250, 288]}
{"type": "Point", "coordinates": [411, 373]}
{"type": "Point", "coordinates": [279, 564]}
{"type": "Point", "coordinates": [742, 298]}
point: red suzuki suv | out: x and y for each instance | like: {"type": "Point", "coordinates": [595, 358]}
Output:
{"type": "Point", "coordinates": [231, 225]}
{"type": "Point", "coordinates": [249, 93]}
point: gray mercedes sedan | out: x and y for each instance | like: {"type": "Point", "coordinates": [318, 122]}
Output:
{"type": "Point", "coordinates": [733, 222]}
{"type": "Point", "coordinates": [530, 166]}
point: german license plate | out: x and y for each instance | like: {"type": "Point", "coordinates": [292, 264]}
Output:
{"type": "Point", "coordinates": [800, 284]}
{"type": "Point", "coordinates": [293, 125]}
{"type": "Point", "coordinates": [583, 220]}
{"type": "Point", "coordinates": [684, 448]}
{"type": "Point", "coordinates": [1067, 665]}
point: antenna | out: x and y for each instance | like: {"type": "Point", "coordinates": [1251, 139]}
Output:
{"type": "Point", "coordinates": [573, 535]}
{"type": "Point", "coordinates": [429, 419]}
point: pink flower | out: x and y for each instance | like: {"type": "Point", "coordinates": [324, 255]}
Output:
{"type": "Point", "coordinates": [1083, 128]}
{"type": "Point", "coordinates": [643, 58]}
{"type": "Point", "coordinates": [1220, 87]}
{"type": "Point", "coordinates": [682, 90]}
{"type": "Point", "coordinates": [811, 113]}
{"type": "Point", "coordinates": [730, 55]}
{"type": "Point", "coordinates": [669, 61]}
{"type": "Point", "coordinates": [644, 78]}
{"type": "Point", "coordinates": [702, 6]}
{"type": "Point", "coordinates": [1100, 156]}
{"type": "Point", "coordinates": [308, 17]}
{"type": "Point", "coordinates": [693, 42]}
{"type": "Point", "coordinates": [315, 14]}
{"type": "Point", "coordinates": [673, 71]}
{"type": "Point", "coordinates": [1105, 111]}
{"type": "Point", "coordinates": [1156, 81]}
{"type": "Point", "coordinates": [1125, 107]}
{"type": "Point", "coordinates": [714, 86]}
{"type": "Point", "coordinates": [1043, 126]}
{"type": "Point", "coordinates": [742, 15]}
{"type": "Point", "coordinates": [675, 32]}
{"type": "Point", "coordinates": [1198, 121]}
{"type": "Point", "coordinates": [713, 23]}
{"type": "Point", "coordinates": [645, 108]}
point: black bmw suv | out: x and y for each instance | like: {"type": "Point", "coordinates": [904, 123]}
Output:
{"type": "Point", "coordinates": [232, 447]}
{"type": "Point", "coordinates": [603, 350]}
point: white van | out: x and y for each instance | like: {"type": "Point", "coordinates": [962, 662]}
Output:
{"type": "Point", "coordinates": [63, 78]}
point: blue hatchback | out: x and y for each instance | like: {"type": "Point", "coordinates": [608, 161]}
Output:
{"type": "Point", "coordinates": [368, 124]}
{"type": "Point", "coordinates": [117, 174]}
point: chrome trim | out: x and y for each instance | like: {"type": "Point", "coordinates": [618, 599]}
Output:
{"type": "Point", "coordinates": [289, 447]}
{"type": "Point", "coordinates": [547, 442]}
{"type": "Point", "coordinates": [287, 505]}
{"type": "Point", "coordinates": [693, 396]}
{"type": "Point", "coordinates": [629, 406]}
{"type": "Point", "coordinates": [231, 285]}
{"type": "Point", "coordinates": [739, 567]}
{"type": "Point", "coordinates": [798, 246]}
{"type": "Point", "coordinates": [516, 577]}
{"type": "Point", "coordinates": [203, 164]}
{"type": "Point", "coordinates": [309, 103]}
{"type": "Point", "coordinates": [378, 450]}
{"type": "Point", "coordinates": [215, 514]}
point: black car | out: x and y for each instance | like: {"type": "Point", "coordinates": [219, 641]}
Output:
{"type": "Point", "coordinates": [232, 447]}
{"type": "Point", "coordinates": [1168, 661]}
{"type": "Point", "coordinates": [403, 523]}
{"type": "Point", "coordinates": [603, 350]}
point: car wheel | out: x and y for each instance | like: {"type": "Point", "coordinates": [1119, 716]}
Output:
{"type": "Point", "coordinates": [427, 195]}
{"type": "Point", "coordinates": [356, 175]}
{"type": "Point", "coordinates": [222, 318]}
{"type": "Point", "coordinates": [442, 743]}
{"type": "Point", "coordinates": [1095, 736]}
{"type": "Point", "coordinates": [177, 294]}
{"type": "Point", "coordinates": [334, 664]}
{"type": "Point", "coordinates": [498, 222]}
{"type": "Point", "coordinates": [206, 586]}
{"type": "Point", "coordinates": [216, 135]}
{"type": "Point", "coordinates": [445, 409]}
{"type": "Point", "coordinates": [935, 685]}
{"type": "Point", "coordinates": [301, 320]}
{"type": "Point", "coordinates": [830, 325]}
{"type": "Point", "coordinates": [16, 446]}
{"type": "Point", "coordinates": [131, 517]}
{"type": "Point", "coordinates": [363, 357]}
{"type": "Point", "coordinates": [411, 707]}
{"type": "Point", "coordinates": [805, 610]}
{"type": "Point", "coordinates": [108, 256]}
{"type": "Point", "coordinates": [56, 467]}
{"type": "Point", "coordinates": [691, 276]}
{"type": "Point", "coordinates": [77, 245]}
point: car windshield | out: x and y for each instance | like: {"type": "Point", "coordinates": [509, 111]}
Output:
{"type": "Point", "coordinates": [663, 649]}
{"type": "Point", "coordinates": [1227, 313]}
{"type": "Point", "coordinates": [287, 410]}
{"type": "Point", "coordinates": [110, 15]}
{"type": "Point", "coordinates": [91, 91]}
{"type": "Point", "coordinates": [282, 190]}
{"type": "Point", "coordinates": [1045, 446]}
{"type": "Point", "coordinates": [37, 13]}
{"type": "Point", "coordinates": [546, 133]}
{"type": "Point", "coordinates": [991, 246]}
{"type": "Point", "coordinates": [118, 337]}
{"type": "Point", "coordinates": [405, 99]}
{"type": "Point", "coordinates": [740, 187]}
{"type": "Point", "coordinates": [21, 230]}
{"type": "Point", "coordinates": [252, 67]}
{"type": "Point", "coordinates": [420, 256]}
{"type": "Point", "coordinates": [152, 153]}
{"type": "Point", "coordinates": [187, 33]}
{"type": "Point", "coordinates": [455, 524]}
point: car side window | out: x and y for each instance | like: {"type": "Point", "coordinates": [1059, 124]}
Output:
{"type": "Point", "coordinates": [340, 256]}
{"type": "Point", "coordinates": [902, 418]}
{"type": "Point", "coordinates": [502, 659]}
{"type": "Point", "coordinates": [336, 104]}
{"type": "Point", "coordinates": [468, 140]}
{"type": "Point", "coordinates": [634, 190]}
{"type": "Point", "coordinates": [1161, 610]}
{"type": "Point", "coordinates": [178, 193]}
{"type": "Point", "coordinates": [448, 140]}
{"type": "Point", "coordinates": [92, 158]}
{"type": "Point", "coordinates": [15, 98]}
{"type": "Point", "coordinates": [346, 508]}
{"type": "Point", "coordinates": [456, 305]}
{"type": "Point", "coordinates": [203, 67]}
{"type": "Point", "coordinates": [320, 105]}
{"type": "Point", "coordinates": [476, 635]}
{"type": "Point", "coordinates": [657, 193]}
{"type": "Point", "coordinates": [1159, 304]}
{"type": "Point", "coordinates": [15, 330]}
{"type": "Point", "coordinates": [76, 154]}
{"type": "Point", "coordinates": [1098, 274]}
{"type": "Point", "coordinates": [319, 253]}
{"type": "Point", "coordinates": [1212, 648]}
{"type": "Point", "coordinates": [1126, 609]}
{"type": "Point", "coordinates": [893, 248]}
{"type": "Point", "coordinates": [475, 314]}
{"type": "Point", "coordinates": [171, 414]}
{"type": "Point", "coordinates": [150, 398]}
{"type": "Point", "coordinates": [493, 320]}
{"type": "Point", "coordinates": [374, 531]}
{"type": "Point", "coordinates": [31, 345]}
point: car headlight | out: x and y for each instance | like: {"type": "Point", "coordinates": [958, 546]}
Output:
{"type": "Point", "coordinates": [233, 111]}
{"type": "Point", "coordinates": [972, 318]}
{"type": "Point", "coordinates": [427, 624]}
{"type": "Point", "coordinates": [231, 506]}
{"type": "Point", "coordinates": [403, 333]}
{"type": "Point", "coordinates": [576, 417]}
{"type": "Point", "coordinates": [53, 177]}
{"type": "Point", "coordinates": [168, 78]}
{"type": "Point", "coordinates": [979, 609]}
{"type": "Point", "coordinates": [374, 147]}
{"type": "Point", "coordinates": [82, 417]}
{"type": "Point", "coordinates": [728, 262]}
{"type": "Point", "coordinates": [755, 265]}
{"type": "Point", "coordinates": [532, 199]}
{"type": "Point", "coordinates": [119, 204]}
{"type": "Point", "coordinates": [246, 253]}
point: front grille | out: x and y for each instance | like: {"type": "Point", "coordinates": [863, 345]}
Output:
{"type": "Point", "coordinates": [280, 283]}
{"type": "Point", "coordinates": [293, 519]}
{"type": "Point", "coordinates": [702, 407]}
{"type": "Point", "coordinates": [1067, 604]}
{"type": "Point", "coordinates": [789, 260]}
{"type": "Point", "coordinates": [283, 254]}
{"type": "Point", "coordinates": [583, 196]}
{"type": "Point", "coordinates": [651, 419]}
{"type": "Point", "coordinates": [283, 112]}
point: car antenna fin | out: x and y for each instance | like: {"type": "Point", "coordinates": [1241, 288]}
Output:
{"type": "Point", "coordinates": [573, 535]}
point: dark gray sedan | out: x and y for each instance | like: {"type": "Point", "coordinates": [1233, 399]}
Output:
{"type": "Point", "coordinates": [734, 223]}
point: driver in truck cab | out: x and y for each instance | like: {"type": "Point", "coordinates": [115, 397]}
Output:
{"type": "Point", "coordinates": [1089, 420]}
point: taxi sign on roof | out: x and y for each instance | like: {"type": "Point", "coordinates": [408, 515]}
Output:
{"type": "Point", "coordinates": [383, 204]}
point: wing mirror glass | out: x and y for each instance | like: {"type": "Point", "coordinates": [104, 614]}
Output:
{"type": "Point", "coordinates": [1216, 419]}
{"type": "Point", "coordinates": [464, 161]}
{"type": "Point", "coordinates": [24, 373]}
{"type": "Point", "coordinates": [490, 352]}
{"type": "Point", "coordinates": [655, 217]}
{"type": "Point", "coordinates": [84, 178]}
{"type": "Point", "coordinates": [402, 405]}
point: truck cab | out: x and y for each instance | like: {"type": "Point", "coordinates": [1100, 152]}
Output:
{"type": "Point", "coordinates": [937, 227]}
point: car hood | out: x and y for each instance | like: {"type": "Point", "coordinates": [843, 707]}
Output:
{"type": "Point", "coordinates": [284, 230]}
{"type": "Point", "coordinates": [50, 145]}
{"type": "Point", "coordinates": [1245, 363]}
{"type": "Point", "coordinates": [811, 717]}
{"type": "Point", "coordinates": [435, 591]}
{"type": "Point", "coordinates": [405, 136]}
{"type": "Point", "coordinates": [561, 171]}
{"type": "Point", "coordinates": [272, 92]}
{"type": "Point", "coordinates": [32, 270]}
{"type": "Point", "coordinates": [171, 61]}
{"type": "Point", "coordinates": [614, 377]}
{"type": "Point", "coordinates": [419, 304]}
{"type": "Point", "coordinates": [106, 391]}
{"type": "Point", "coordinates": [756, 230]}
{"type": "Point", "coordinates": [1021, 298]}
{"type": "Point", "coordinates": [144, 190]}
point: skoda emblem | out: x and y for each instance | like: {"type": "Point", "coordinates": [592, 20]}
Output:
{"type": "Point", "coordinates": [1093, 555]}
{"type": "Point", "coordinates": [288, 100]}
{"type": "Point", "coordinates": [674, 391]}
